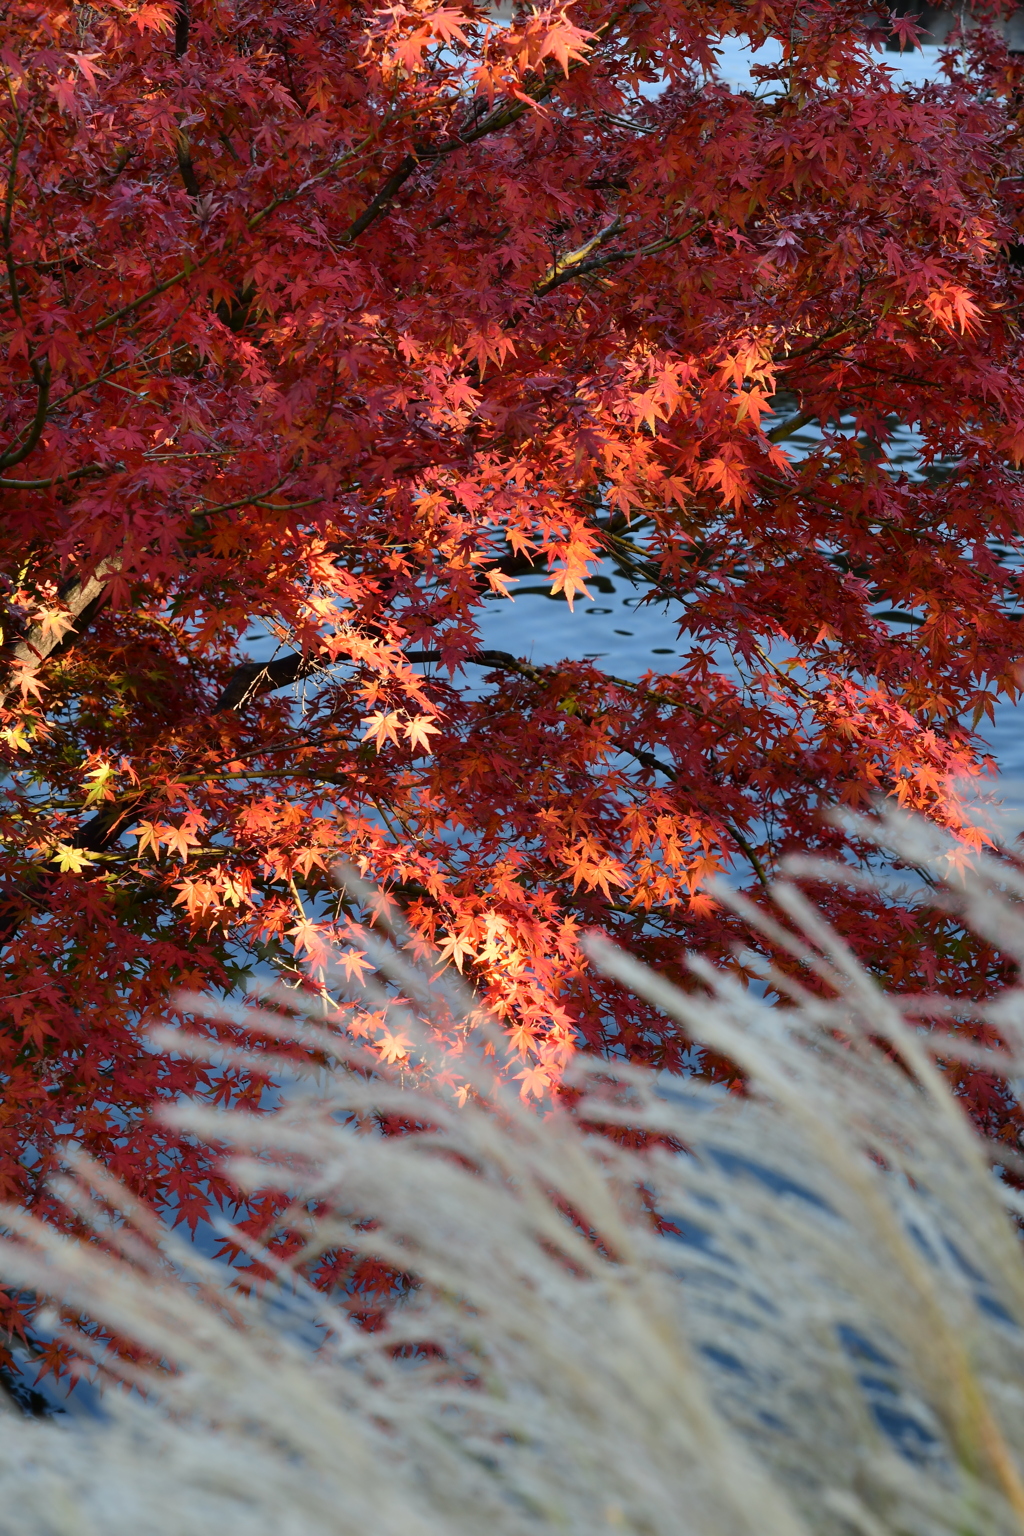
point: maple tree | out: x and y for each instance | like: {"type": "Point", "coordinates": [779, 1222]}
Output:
{"type": "Point", "coordinates": [326, 323]}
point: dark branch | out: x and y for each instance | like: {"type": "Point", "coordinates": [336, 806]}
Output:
{"type": "Point", "coordinates": [183, 151]}
{"type": "Point", "coordinates": [83, 601]}
{"type": "Point", "coordinates": [254, 678]}
{"type": "Point", "coordinates": [373, 210]}
{"type": "Point", "coordinates": [17, 452]}
{"type": "Point", "coordinates": [182, 19]}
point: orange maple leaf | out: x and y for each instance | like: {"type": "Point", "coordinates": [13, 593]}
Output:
{"type": "Point", "coordinates": [568, 580]}
{"type": "Point", "coordinates": [536, 1080]}
{"type": "Point", "coordinates": [952, 306]}
{"type": "Point", "coordinates": [355, 963]}
{"type": "Point", "coordinates": [420, 729]}
{"type": "Point", "coordinates": [565, 43]}
{"type": "Point", "coordinates": [456, 948]}
{"type": "Point", "coordinates": [306, 937]}
{"type": "Point", "coordinates": [151, 834]}
{"type": "Point", "coordinates": [382, 727]}
{"type": "Point", "coordinates": [393, 1047]}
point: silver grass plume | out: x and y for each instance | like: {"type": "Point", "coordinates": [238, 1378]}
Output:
{"type": "Point", "coordinates": [824, 1332]}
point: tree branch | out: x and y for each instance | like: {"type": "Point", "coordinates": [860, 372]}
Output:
{"type": "Point", "coordinates": [254, 678]}
{"type": "Point", "coordinates": [183, 155]}
{"type": "Point", "coordinates": [566, 266]}
{"type": "Point", "coordinates": [45, 484]}
{"type": "Point", "coordinates": [373, 210]}
{"type": "Point", "coordinates": [83, 600]}
{"type": "Point", "coordinates": [182, 19]}
{"type": "Point", "coordinates": [786, 429]}
{"type": "Point", "coordinates": [15, 454]}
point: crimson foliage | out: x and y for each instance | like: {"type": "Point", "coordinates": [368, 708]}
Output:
{"type": "Point", "coordinates": [331, 321]}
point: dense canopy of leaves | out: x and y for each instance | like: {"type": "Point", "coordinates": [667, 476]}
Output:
{"type": "Point", "coordinates": [321, 323]}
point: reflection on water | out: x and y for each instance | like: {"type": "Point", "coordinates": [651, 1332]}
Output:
{"type": "Point", "coordinates": [628, 637]}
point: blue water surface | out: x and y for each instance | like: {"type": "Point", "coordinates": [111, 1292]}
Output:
{"type": "Point", "coordinates": [627, 636]}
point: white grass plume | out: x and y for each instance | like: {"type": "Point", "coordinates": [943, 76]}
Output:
{"type": "Point", "coordinates": [831, 1340]}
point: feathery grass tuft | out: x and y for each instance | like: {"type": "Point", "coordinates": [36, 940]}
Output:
{"type": "Point", "coordinates": [795, 1311]}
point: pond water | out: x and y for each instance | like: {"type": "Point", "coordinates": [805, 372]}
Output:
{"type": "Point", "coordinates": [912, 67]}
{"type": "Point", "coordinates": [628, 636]}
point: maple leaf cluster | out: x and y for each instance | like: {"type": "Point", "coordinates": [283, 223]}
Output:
{"type": "Point", "coordinates": [321, 327]}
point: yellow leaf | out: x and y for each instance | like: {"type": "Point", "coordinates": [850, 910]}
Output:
{"type": "Point", "coordinates": [98, 787]}
{"type": "Point", "coordinates": [15, 737]}
{"type": "Point", "coordinates": [72, 860]}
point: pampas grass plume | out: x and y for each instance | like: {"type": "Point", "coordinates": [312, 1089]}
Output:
{"type": "Point", "coordinates": [798, 1310]}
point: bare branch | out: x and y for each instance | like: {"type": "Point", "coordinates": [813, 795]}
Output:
{"type": "Point", "coordinates": [254, 678]}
